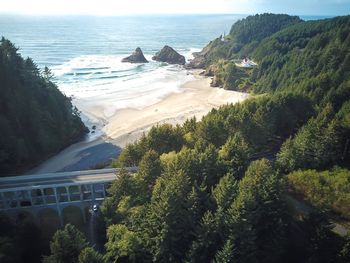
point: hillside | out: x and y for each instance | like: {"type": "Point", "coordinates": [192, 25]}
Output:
{"type": "Point", "coordinates": [36, 119]}
{"type": "Point", "coordinates": [219, 189]}
{"type": "Point", "coordinates": [309, 57]}
{"type": "Point", "coordinates": [244, 36]}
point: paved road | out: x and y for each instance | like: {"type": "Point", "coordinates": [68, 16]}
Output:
{"type": "Point", "coordinates": [102, 175]}
{"type": "Point", "coordinates": [306, 209]}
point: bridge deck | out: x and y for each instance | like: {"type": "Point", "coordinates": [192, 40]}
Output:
{"type": "Point", "coordinates": [42, 180]}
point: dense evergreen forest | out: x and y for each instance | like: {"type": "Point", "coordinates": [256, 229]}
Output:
{"type": "Point", "coordinates": [36, 119]}
{"type": "Point", "coordinates": [223, 189]}
{"type": "Point", "coordinates": [232, 186]}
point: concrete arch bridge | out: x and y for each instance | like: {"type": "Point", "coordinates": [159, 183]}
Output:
{"type": "Point", "coordinates": [52, 199]}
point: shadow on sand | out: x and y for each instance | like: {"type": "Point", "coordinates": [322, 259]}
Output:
{"type": "Point", "coordinates": [93, 156]}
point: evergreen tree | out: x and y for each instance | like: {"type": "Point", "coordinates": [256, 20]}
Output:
{"type": "Point", "coordinates": [256, 217]}
{"type": "Point", "coordinates": [168, 221]}
{"type": "Point", "coordinates": [122, 244]}
{"type": "Point", "coordinates": [317, 144]}
{"type": "Point", "coordinates": [120, 188]}
{"type": "Point", "coordinates": [235, 155]}
{"type": "Point", "coordinates": [89, 255]}
{"type": "Point", "coordinates": [149, 171]}
{"type": "Point", "coordinates": [225, 255]}
{"type": "Point", "coordinates": [66, 246]}
{"type": "Point", "coordinates": [36, 119]}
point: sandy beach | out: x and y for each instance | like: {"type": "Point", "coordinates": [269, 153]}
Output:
{"type": "Point", "coordinates": [196, 98]}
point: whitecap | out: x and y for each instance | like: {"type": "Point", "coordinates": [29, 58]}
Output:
{"type": "Point", "coordinates": [107, 83]}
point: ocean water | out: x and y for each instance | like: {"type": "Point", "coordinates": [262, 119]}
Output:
{"type": "Point", "coordinates": [85, 53]}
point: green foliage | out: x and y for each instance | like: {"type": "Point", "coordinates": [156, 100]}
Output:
{"type": "Point", "coordinates": [149, 170]}
{"type": "Point", "coordinates": [122, 244]}
{"type": "Point", "coordinates": [66, 246]}
{"type": "Point", "coordinates": [131, 154]}
{"type": "Point", "coordinates": [36, 119]}
{"type": "Point", "coordinates": [226, 254]}
{"type": "Point", "coordinates": [310, 57]}
{"type": "Point", "coordinates": [212, 129]}
{"type": "Point", "coordinates": [256, 217]}
{"type": "Point", "coordinates": [20, 241]}
{"type": "Point", "coordinates": [264, 122]}
{"type": "Point", "coordinates": [200, 166]}
{"type": "Point", "coordinates": [234, 77]}
{"type": "Point", "coordinates": [201, 196]}
{"type": "Point", "coordinates": [322, 245]}
{"type": "Point", "coordinates": [89, 255]}
{"type": "Point", "coordinates": [225, 191]}
{"type": "Point", "coordinates": [345, 251]}
{"type": "Point", "coordinates": [320, 143]}
{"type": "Point", "coordinates": [234, 154]}
{"type": "Point", "coordinates": [253, 29]}
{"type": "Point", "coordinates": [121, 188]}
{"type": "Point", "coordinates": [161, 139]}
{"type": "Point", "coordinates": [165, 138]}
{"type": "Point", "coordinates": [245, 35]}
{"type": "Point", "coordinates": [229, 76]}
{"type": "Point", "coordinates": [326, 190]}
{"type": "Point", "coordinates": [207, 239]}
{"type": "Point", "coordinates": [183, 219]}
{"type": "Point", "coordinates": [168, 221]}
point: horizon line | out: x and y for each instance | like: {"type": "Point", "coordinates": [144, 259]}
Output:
{"type": "Point", "coordinates": [163, 14]}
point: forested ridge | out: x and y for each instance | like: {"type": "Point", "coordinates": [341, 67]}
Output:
{"type": "Point", "coordinates": [224, 188]}
{"type": "Point", "coordinates": [204, 191]}
{"type": "Point", "coordinates": [244, 36]}
{"type": "Point", "coordinates": [36, 119]}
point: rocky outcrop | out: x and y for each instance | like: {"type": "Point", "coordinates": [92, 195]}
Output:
{"type": "Point", "coordinates": [215, 82]}
{"type": "Point", "coordinates": [202, 59]}
{"type": "Point", "coordinates": [209, 72]}
{"type": "Point", "coordinates": [169, 55]}
{"type": "Point", "coordinates": [198, 61]}
{"type": "Point", "coordinates": [136, 57]}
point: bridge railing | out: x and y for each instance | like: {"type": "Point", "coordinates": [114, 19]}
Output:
{"type": "Point", "coordinates": [36, 190]}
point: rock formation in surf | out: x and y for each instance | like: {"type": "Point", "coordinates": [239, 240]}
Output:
{"type": "Point", "coordinates": [169, 55]}
{"type": "Point", "coordinates": [136, 57]}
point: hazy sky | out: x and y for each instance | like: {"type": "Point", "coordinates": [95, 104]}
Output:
{"type": "Point", "coordinates": [126, 7]}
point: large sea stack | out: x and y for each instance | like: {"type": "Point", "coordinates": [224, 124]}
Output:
{"type": "Point", "coordinates": [136, 57]}
{"type": "Point", "coordinates": [169, 55]}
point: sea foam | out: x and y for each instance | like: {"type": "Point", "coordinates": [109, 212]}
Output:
{"type": "Point", "coordinates": [107, 83]}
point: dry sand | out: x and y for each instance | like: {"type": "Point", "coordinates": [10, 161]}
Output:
{"type": "Point", "coordinates": [196, 98]}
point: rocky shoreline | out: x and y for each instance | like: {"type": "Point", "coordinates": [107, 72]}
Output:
{"type": "Point", "coordinates": [166, 54]}
{"type": "Point", "coordinates": [169, 55]}
{"type": "Point", "coordinates": [136, 57]}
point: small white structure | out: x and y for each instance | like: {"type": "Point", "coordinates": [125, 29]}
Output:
{"type": "Point", "coordinates": [246, 63]}
{"type": "Point", "coordinates": [222, 37]}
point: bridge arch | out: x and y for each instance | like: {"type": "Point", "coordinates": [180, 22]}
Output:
{"type": "Point", "coordinates": [74, 215]}
{"type": "Point", "coordinates": [49, 220]}
{"type": "Point", "coordinates": [25, 215]}
{"type": "Point", "coordinates": [53, 198]}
